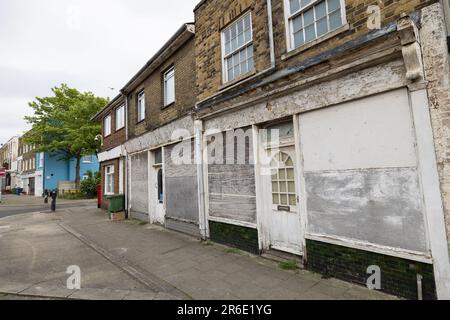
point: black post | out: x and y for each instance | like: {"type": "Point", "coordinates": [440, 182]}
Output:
{"type": "Point", "coordinates": [53, 201]}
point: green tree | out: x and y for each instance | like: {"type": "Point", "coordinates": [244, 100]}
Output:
{"type": "Point", "coordinates": [62, 124]}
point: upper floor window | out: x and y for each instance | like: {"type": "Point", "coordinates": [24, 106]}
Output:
{"type": "Point", "coordinates": [237, 48]}
{"type": "Point", "coordinates": [141, 106]}
{"type": "Point", "coordinates": [311, 19]}
{"type": "Point", "coordinates": [120, 118]}
{"type": "Point", "coordinates": [169, 87]}
{"type": "Point", "coordinates": [107, 126]}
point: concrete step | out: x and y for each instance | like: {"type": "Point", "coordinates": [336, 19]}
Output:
{"type": "Point", "coordinates": [280, 256]}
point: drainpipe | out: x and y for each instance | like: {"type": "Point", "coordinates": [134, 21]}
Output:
{"type": "Point", "coordinates": [203, 223]}
{"type": "Point", "coordinates": [125, 156]}
{"type": "Point", "coordinates": [271, 42]}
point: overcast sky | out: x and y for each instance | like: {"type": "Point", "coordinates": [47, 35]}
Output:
{"type": "Point", "coordinates": [92, 45]}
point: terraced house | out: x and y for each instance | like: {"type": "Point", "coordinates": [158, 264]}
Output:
{"type": "Point", "coordinates": [148, 139]}
{"type": "Point", "coordinates": [112, 157]}
{"type": "Point", "coordinates": [334, 118]}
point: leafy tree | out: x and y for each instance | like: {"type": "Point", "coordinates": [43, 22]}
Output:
{"type": "Point", "coordinates": [62, 124]}
{"type": "Point", "coordinates": [89, 186]}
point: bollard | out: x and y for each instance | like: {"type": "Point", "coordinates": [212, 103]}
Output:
{"type": "Point", "coordinates": [53, 195]}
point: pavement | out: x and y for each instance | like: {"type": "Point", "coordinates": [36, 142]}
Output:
{"type": "Point", "coordinates": [131, 260]}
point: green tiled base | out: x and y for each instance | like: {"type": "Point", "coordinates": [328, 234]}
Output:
{"type": "Point", "coordinates": [236, 236]}
{"type": "Point", "coordinates": [398, 276]}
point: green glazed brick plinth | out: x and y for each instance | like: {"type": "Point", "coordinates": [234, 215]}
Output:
{"type": "Point", "coordinates": [236, 236]}
{"type": "Point", "coordinates": [398, 276]}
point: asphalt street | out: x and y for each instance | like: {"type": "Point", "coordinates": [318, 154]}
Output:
{"type": "Point", "coordinates": [6, 211]}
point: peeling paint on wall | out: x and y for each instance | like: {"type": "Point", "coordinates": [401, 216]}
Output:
{"type": "Point", "coordinates": [379, 206]}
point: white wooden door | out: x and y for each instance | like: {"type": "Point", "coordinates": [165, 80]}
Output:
{"type": "Point", "coordinates": [285, 228]}
{"type": "Point", "coordinates": [156, 183]}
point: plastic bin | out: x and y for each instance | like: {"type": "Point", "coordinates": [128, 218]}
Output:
{"type": "Point", "coordinates": [116, 203]}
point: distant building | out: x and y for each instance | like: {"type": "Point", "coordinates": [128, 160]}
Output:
{"type": "Point", "coordinates": [9, 153]}
{"type": "Point", "coordinates": [27, 177]}
{"type": "Point", "coordinates": [58, 173]}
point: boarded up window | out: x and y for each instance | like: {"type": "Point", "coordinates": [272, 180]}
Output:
{"type": "Point", "coordinates": [181, 183]}
{"type": "Point", "coordinates": [231, 177]}
{"type": "Point", "coordinates": [139, 183]}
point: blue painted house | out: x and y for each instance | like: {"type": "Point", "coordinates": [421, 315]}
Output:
{"type": "Point", "coordinates": [55, 169]}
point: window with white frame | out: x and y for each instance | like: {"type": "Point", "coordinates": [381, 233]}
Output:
{"type": "Point", "coordinates": [109, 180]}
{"type": "Point", "coordinates": [120, 118]}
{"type": "Point", "coordinates": [141, 106]}
{"type": "Point", "coordinates": [311, 19]}
{"type": "Point", "coordinates": [107, 126]}
{"type": "Point", "coordinates": [169, 87]}
{"type": "Point", "coordinates": [237, 48]}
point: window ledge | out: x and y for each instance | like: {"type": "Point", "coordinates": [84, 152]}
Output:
{"type": "Point", "coordinates": [237, 80]}
{"type": "Point", "coordinates": [168, 105]}
{"type": "Point", "coordinates": [313, 43]}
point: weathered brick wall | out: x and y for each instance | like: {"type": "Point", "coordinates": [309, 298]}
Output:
{"type": "Point", "coordinates": [117, 137]}
{"type": "Point", "coordinates": [156, 114]}
{"type": "Point", "coordinates": [214, 15]}
{"type": "Point", "coordinates": [437, 73]}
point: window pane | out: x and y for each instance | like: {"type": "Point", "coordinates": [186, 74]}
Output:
{"type": "Point", "coordinates": [275, 186]}
{"type": "Point", "coordinates": [289, 162]}
{"type": "Point", "coordinates": [227, 36]}
{"type": "Point", "coordinates": [333, 5]}
{"type": "Point", "coordinates": [227, 48]}
{"type": "Point", "coordinates": [283, 187]}
{"type": "Point", "coordinates": [240, 27]}
{"type": "Point", "coordinates": [250, 64]}
{"type": "Point", "coordinates": [291, 187]}
{"type": "Point", "coordinates": [241, 40]}
{"type": "Point", "coordinates": [321, 10]}
{"type": "Point", "coordinates": [322, 27]}
{"type": "Point", "coordinates": [275, 199]}
{"type": "Point", "coordinates": [294, 5]}
{"type": "Point", "coordinates": [283, 199]}
{"type": "Point", "coordinates": [310, 33]}
{"type": "Point", "coordinates": [247, 22]}
{"type": "Point", "coordinates": [297, 24]}
{"type": "Point", "coordinates": [282, 174]}
{"type": "Point", "coordinates": [230, 74]}
{"type": "Point", "coordinates": [250, 51]}
{"type": "Point", "coordinates": [233, 32]}
{"type": "Point", "coordinates": [292, 200]}
{"type": "Point", "coordinates": [290, 174]}
{"type": "Point", "coordinates": [309, 17]}
{"type": "Point", "coordinates": [248, 35]}
{"type": "Point", "coordinates": [236, 71]}
{"type": "Point", "coordinates": [298, 39]}
{"type": "Point", "coordinates": [335, 20]}
{"type": "Point", "coordinates": [305, 2]}
{"type": "Point", "coordinates": [244, 67]}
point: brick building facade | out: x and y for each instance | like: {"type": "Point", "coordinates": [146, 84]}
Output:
{"type": "Point", "coordinates": [112, 157]}
{"type": "Point", "coordinates": [331, 78]}
{"type": "Point", "coordinates": [316, 128]}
